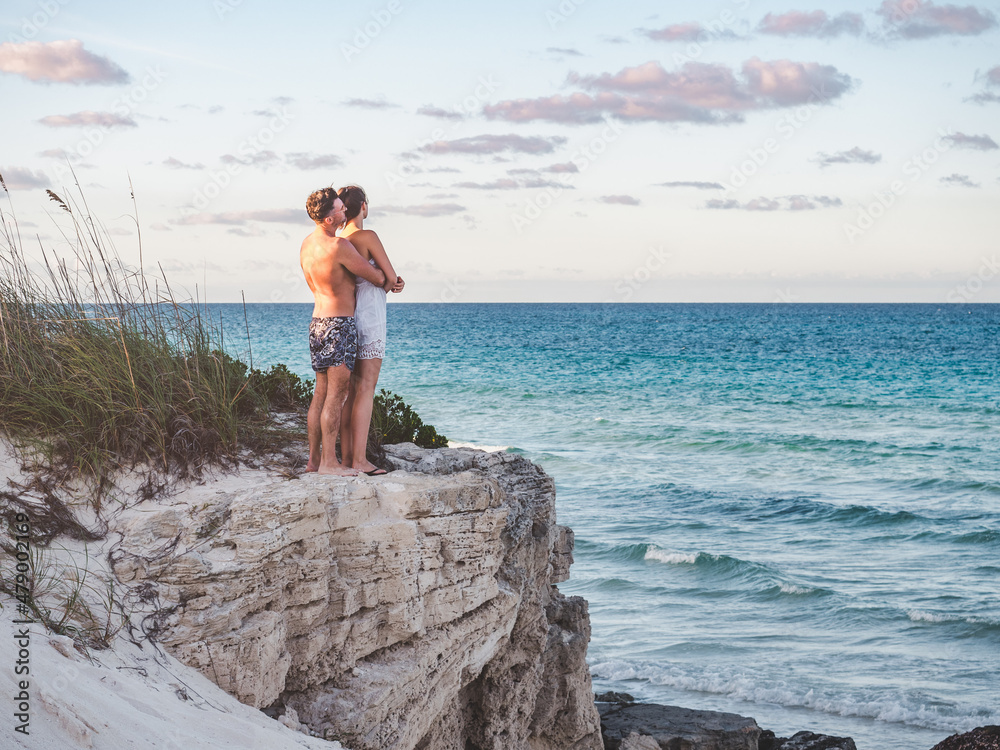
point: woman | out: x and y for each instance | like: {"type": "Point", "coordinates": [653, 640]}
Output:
{"type": "Point", "coordinates": [369, 316]}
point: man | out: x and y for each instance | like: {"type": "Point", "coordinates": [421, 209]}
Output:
{"type": "Point", "coordinates": [330, 265]}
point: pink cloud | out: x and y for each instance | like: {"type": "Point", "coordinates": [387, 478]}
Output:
{"type": "Point", "coordinates": [678, 32]}
{"type": "Point", "coordinates": [787, 83]}
{"type": "Point", "coordinates": [697, 92]}
{"type": "Point", "coordinates": [816, 23]}
{"type": "Point", "coordinates": [64, 61]}
{"type": "Point", "coordinates": [920, 19]}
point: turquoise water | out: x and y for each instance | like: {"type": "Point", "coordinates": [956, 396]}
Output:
{"type": "Point", "coordinates": [787, 511]}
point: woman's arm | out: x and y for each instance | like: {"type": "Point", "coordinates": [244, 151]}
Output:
{"type": "Point", "coordinates": [381, 260]}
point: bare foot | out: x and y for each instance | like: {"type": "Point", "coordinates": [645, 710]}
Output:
{"type": "Point", "coordinates": [311, 468]}
{"type": "Point", "coordinates": [339, 471]}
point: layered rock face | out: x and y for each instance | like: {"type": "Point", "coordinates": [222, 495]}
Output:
{"type": "Point", "coordinates": [414, 610]}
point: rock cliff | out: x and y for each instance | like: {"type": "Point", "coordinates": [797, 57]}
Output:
{"type": "Point", "coordinates": [414, 610]}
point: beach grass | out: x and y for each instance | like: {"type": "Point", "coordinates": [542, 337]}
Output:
{"type": "Point", "coordinates": [103, 368]}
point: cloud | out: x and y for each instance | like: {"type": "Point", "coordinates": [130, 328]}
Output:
{"type": "Point", "coordinates": [238, 218]}
{"type": "Point", "coordinates": [784, 203]}
{"type": "Point", "coordinates": [63, 61]}
{"type": "Point", "coordinates": [441, 114]}
{"type": "Point", "coordinates": [787, 83]}
{"type": "Point", "coordinates": [856, 155]}
{"type": "Point", "coordinates": [563, 168]}
{"type": "Point", "coordinates": [495, 144]}
{"type": "Point", "coordinates": [369, 104]}
{"type": "Point", "coordinates": [921, 19]}
{"type": "Point", "coordinates": [501, 184]}
{"type": "Point", "coordinates": [689, 32]}
{"type": "Point", "coordinates": [253, 231]}
{"type": "Point", "coordinates": [696, 92]}
{"type": "Point", "coordinates": [160, 227]}
{"type": "Point", "coordinates": [992, 81]}
{"type": "Point", "coordinates": [426, 210]}
{"type": "Point", "coordinates": [263, 159]}
{"type": "Point", "coordinates": [178, 164]}
{"type": "Point", "coordinates": [77, 119]}
{"type": "Point", "coordinates": [564, 51]}
{"type": "Point", "coordinates": [816, 23]}
{"type": "Point", "coordinates": [172, 265]}
{"type": "Point", "coordinates": [975, 142]}
{"type": "Point", "coordinates": [318, 161]}
{"type": "Point", "coordinates": [530, 181]}
{"type": "Point", "coordinates": [697, 185]}
{"type": "Point", "coordinates": [962, 180]}
{"type": "Point", "coordinates": [624, 200]}
{"type": "Point", "coordinates": [20, 178]}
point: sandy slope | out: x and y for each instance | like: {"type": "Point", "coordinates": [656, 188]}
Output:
{"type": "Point", "coordinates": [125, 697]}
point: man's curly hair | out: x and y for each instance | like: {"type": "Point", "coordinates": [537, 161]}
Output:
{"type": "Point", "coordinates": [320, 203]}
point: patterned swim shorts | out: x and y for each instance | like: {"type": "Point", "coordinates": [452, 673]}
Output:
{"type": "Point", "coordinates": [332, 342]}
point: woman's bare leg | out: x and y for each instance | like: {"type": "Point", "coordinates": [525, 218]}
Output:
{"type": "Point", "coordinates": [366, 372]}
{"type": "Point", "coordinates": [347, 422]}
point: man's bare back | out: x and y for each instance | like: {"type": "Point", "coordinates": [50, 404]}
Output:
{"type": "Point", "coordinates": [330, 265]}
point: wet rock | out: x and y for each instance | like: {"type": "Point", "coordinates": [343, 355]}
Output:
{"type": "Point", "coordinates": [981, 738]}
{"type": "Point", "coordinates": [613, 697]}
{"type": "Point", "coordinates": [636, 726]}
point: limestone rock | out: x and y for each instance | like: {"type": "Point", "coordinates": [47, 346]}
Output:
{"type": "Point", "coordinates": [412, 610]}
{"type": "Point", "coordinates": [671, 727]}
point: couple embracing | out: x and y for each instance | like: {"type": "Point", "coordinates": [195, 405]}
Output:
{"type": "Point", "coordinates": [349, 275]}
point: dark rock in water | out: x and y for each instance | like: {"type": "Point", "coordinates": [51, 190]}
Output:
{"type": "Point", "coordinates": [981, 738]}
{"type": "Point", "coordinates": [805, 741]}
{"type": "Point", "coordinates": [647, 726]}
{"type": "Point", "coordinates": [613, 697]}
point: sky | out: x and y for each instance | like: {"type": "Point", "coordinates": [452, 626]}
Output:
{"type": "Point", "coordinates": [563, 151]}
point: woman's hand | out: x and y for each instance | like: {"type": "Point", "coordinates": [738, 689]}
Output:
{"type": "Point", "coordinates": [398, 286]}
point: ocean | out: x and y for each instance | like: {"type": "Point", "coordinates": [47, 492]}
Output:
{"type": "Point", "coordinates": [791, 512]}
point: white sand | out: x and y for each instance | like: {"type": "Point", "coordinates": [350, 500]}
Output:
{"type": "Point", "coordinates": [127, 696]}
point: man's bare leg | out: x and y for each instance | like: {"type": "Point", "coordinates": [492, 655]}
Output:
{"type": "Point", "coordinates": [363, 383]}
{"type": "Point", "coordinates": [313, 422]}
{"type": "Point", "coordinates": [337, 383]}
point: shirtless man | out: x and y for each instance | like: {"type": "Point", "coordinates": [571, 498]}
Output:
{"type": "Point", "coordinates": [330, 265]}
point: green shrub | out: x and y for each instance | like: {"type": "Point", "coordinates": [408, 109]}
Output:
{"type": "Point", "coordinates": [394, 421]}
